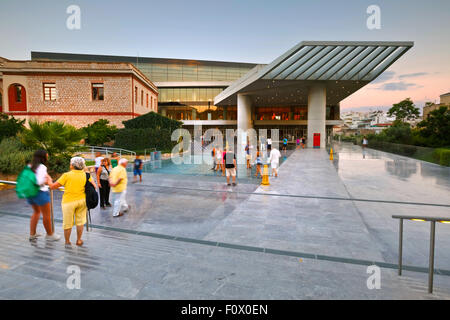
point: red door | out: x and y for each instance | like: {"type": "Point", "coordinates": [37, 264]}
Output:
{"type": "Point", "coordinates": [316, 141]}
{"type": "Point", "coordinates": [17, 98]}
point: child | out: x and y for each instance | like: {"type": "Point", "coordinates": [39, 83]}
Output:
{"type": "Point", "coordinates": [258, 164]}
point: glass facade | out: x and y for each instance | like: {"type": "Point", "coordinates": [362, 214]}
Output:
{"type": "Point", "coordinates": [192, 103]}
{"type": "Point", "coordinates": [164, 72]}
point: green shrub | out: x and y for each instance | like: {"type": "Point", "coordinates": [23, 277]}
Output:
{"type": "Point", "coordinates": [99, 132]}
{"type": "Point", "coordinates": [13, 156]}
{"type": "Point", "coordinates": [152, 120]}
{"type": "Point", "coordinates": [9, 126]}
{"type": "Point", "coordinates": [445, 158]}
{"type": "Point", "coordinates": [408, 150]}
{"type": "Point", "coordinates": [442, 156]}
{"type": "Point", "coordinates": [59, 163]}
{"type": "Point", "coordinates": [140, 139]}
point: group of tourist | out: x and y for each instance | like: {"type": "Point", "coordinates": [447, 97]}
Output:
{"type": "Point", "coordinates": [111, 175]}
{"type": "Point", "coordinates": [225, 162]}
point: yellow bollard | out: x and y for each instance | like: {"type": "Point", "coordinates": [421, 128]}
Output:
{"type": "Point", "coordinates": [331, 154]}
{"type": "Point", "coordinates": [265, 178]}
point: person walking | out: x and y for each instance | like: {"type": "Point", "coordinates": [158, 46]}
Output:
{"type": "Point", "coordinates": [303, 142]}
{"type": "Point", "coordinates": [230, 166]}
{"type": "Point", "coordinates": [118, 181]}
{"type": "Point", "coordinates": [274, 160]}
{"type": "Point", "coordinates": [41, 202]}
{"type": "Point", "coordinates": [103, 183]}
{"type": "Point", "coordinates": [73, 202]}
{"type": "Point", "coordinates": [137, 169]}
{"type": "Point", "coordinates": [298, 143]}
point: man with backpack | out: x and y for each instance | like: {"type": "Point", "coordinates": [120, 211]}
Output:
{"type": "Point", "coordinates": [75, 203]}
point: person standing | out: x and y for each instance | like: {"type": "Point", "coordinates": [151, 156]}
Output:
{"type": "Point", "coordinates": [98, 160]}
{"type": "Point", "coordinates": [219, 160]}
{"type": "Point", "coordinates": [114, 159]}
{"type": "Point", "coordinates": [41, 202]}
{"type": "Point", "coordinates": [298, 142]}
{"type": "Point", "coordinates": [230, 166]}
{"type": "Point", "coordinates": [364, 142]}
{"type": "Point", "coordinates": [248, 155]}
{"type": "Point", "coordinates": [213, 155]}
{"type": "Point", "coordinates": [269, 143]}
{"type": "Point", "coordinates": [137, 169]}
{"type": "Point", "coordinates": [285, 142]}
{"type": "Point", "coordinates": [73, 203]}
{"type": "Point", "coordinates": [303, 142]}
{"type": "Point", "coordinates": [274, 160]}
{"type": "Point", "coordinates": [258, 164]}
{"type": "Point", "coordinates": [118, 181]}
{"type": "Point", "coordinates": [103, 183]}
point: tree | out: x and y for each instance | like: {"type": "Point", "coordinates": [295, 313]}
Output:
{"type": "Point", "coordinates": [9, 126]}
{"type": "Point", "coordinates": [404, 110]}
{"type": "Point", "coordinates": [99, 132]}
{"type": "Point", "coordinates": [399, 132]}
{"type": "Point", "coordinates": [56, 137]}
{"type": "Point", "coordinates": [437, 127]}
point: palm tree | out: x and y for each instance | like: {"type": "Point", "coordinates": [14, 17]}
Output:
{"type": "Point", "coordinates": [55, 137]}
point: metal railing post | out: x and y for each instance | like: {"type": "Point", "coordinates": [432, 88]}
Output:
{"type": "Point", "coordinates": [51, 210]}
{"type": "Point", "coordinates": [400, 247]}
{"type": "Point", "coordinates": [431, 267]}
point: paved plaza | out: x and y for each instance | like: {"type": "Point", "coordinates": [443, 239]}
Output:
{"type": "Point", "coordinates": [311, 234]}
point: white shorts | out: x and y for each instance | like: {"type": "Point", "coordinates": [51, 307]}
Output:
{"type": "Point", "coordinates": [231, 172]}
{"type": "Point", "coordinates": [274, 165]}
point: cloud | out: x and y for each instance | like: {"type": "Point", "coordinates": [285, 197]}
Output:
{"type": "Point", "coordinates": [397, 86]}
{"type": "Point", "coordinates": [385, 76]}
{"type": "Point", "coordinates": [412, 75]}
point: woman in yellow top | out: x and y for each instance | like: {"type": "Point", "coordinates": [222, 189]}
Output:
{"type": "Point", "coordinates": [74, 199]}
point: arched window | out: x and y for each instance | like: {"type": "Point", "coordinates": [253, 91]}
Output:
{"type": "Point", "coordinates": [17, 97]}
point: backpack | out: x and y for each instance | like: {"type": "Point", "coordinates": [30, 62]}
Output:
{"type": "Point", "coordinates": [91, 194]}
{"type": "Point", "coordinates": [27, 186]}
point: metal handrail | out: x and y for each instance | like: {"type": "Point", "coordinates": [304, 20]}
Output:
{"type": "Point", "coordinates": [432, 221]}
{"type": "Point", "coordinates": [105, 150]}
{"type": "Point", "coordinates": [13, 183]}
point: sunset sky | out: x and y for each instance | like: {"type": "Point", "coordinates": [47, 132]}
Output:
{"type": "Point", "coordinates": [244, 31]}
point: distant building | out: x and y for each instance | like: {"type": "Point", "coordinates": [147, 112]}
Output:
{"type": "Point", "coordinates": [445, 100]}
{"type": "Point", "coordinates": [78, 93]}
{"type": "Point", "coordinates": [365, 122]}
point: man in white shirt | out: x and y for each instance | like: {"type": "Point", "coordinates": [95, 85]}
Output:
{"type": "Point", "coordinates": [269, 143]}
{"type": "Point", "coordinates": [274, 160]}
